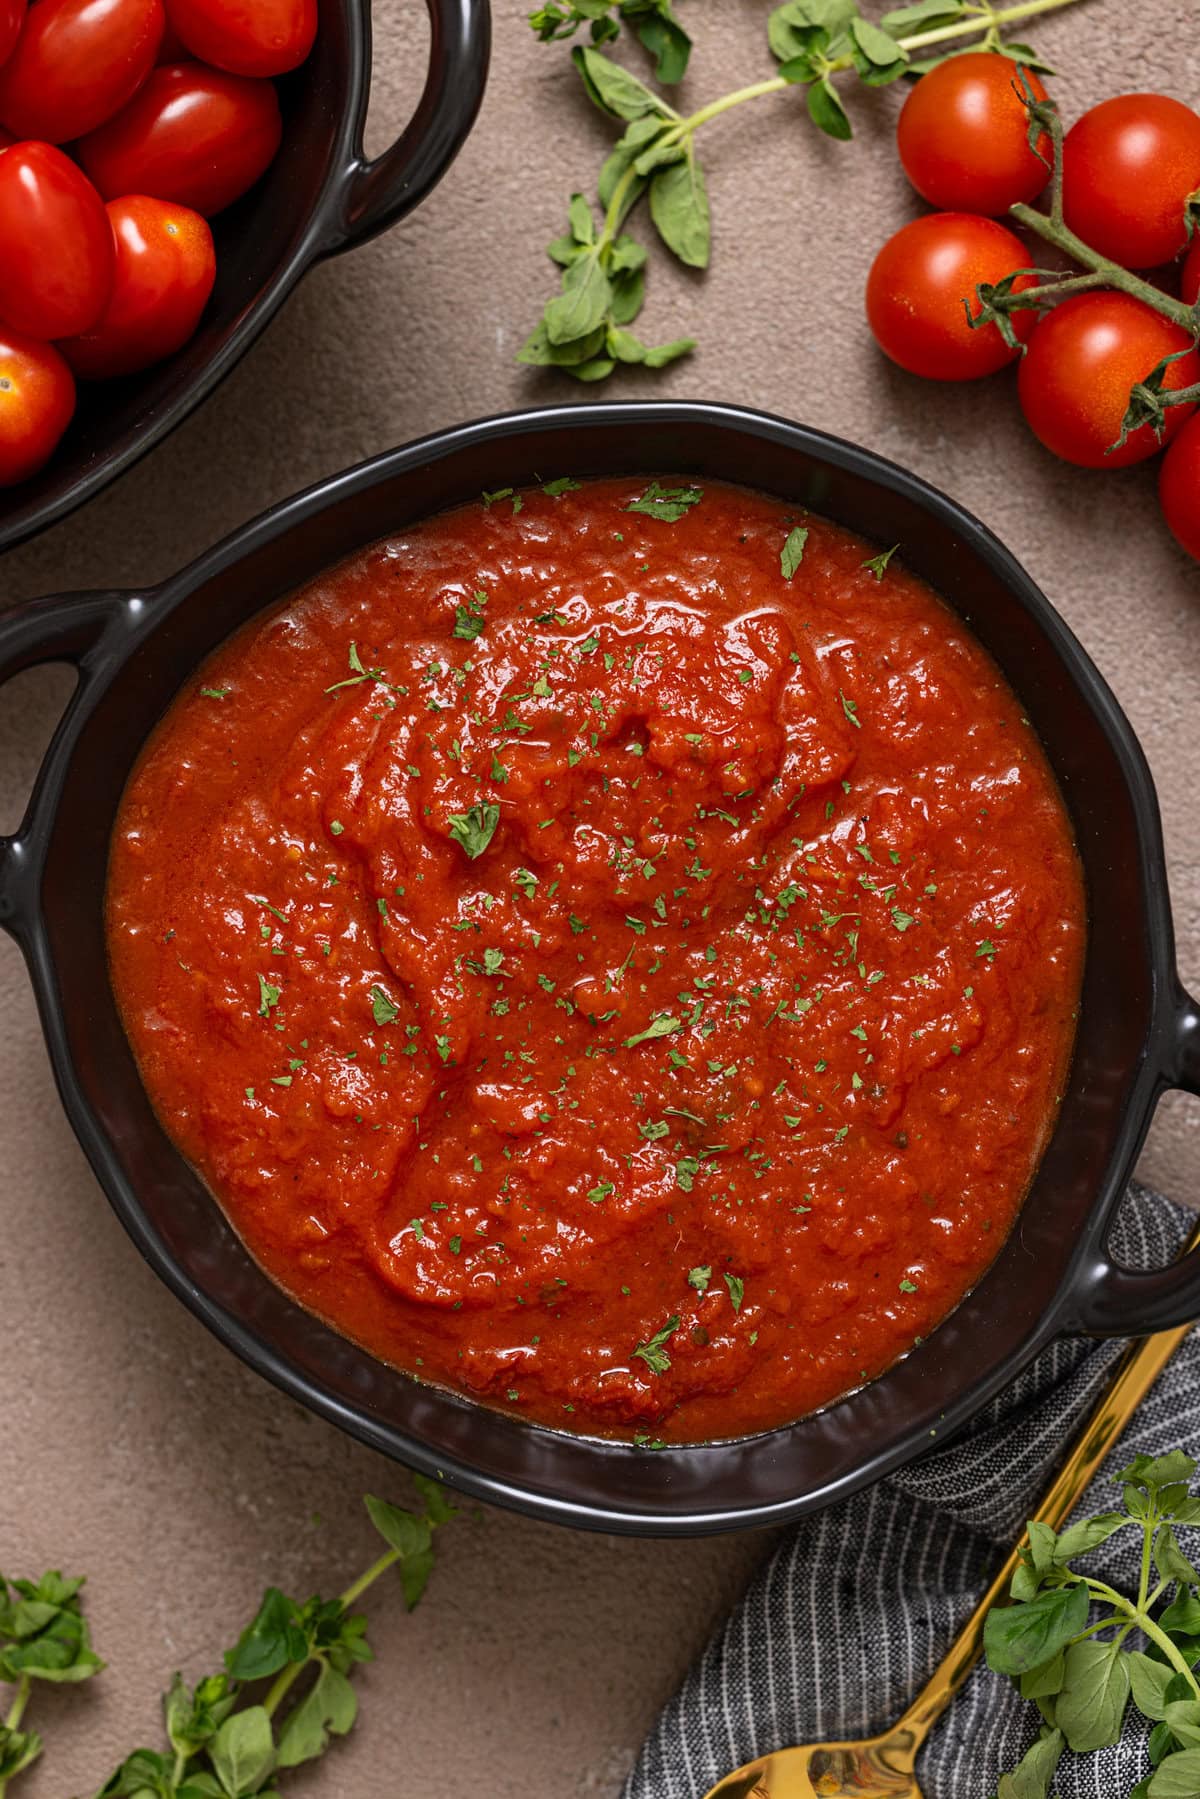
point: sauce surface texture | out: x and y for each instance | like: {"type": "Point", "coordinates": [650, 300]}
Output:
{"type": "Point", "coordinates": [598, 970]}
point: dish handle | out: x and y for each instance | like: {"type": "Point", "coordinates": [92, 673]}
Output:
{"type": "Point", "coordinates": [1130, 1302]}
{"type": "Point", "coordinates": [68, 628]}
{"type": "Point", "coordinates": [375, 194]}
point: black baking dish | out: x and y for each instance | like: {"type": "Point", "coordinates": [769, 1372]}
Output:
{"type": "Point", "coordinates": [1138, 1032]}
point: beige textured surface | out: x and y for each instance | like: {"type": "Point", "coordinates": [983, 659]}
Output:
{"type": "Point", "coordinates": [133, 1447]}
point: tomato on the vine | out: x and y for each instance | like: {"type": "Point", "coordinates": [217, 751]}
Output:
{"type": "Point", "coordinates": [164, 275]}
{"type": "Point", "coordinates": [917, 288]}
{"type": "Point", "coordinates": [247, 37]}
{"type": "Point", "coordinates": [1179, 487]}
{"type": "Point", "coordinates": [37, 398]}
{"type": "Point", "coordinates": [56, 247]}
{"type": "Point", "coordinates": [12, 17]}
{"type": "Point", "coordinates": [76, 63]}
{"type": "Point", "coordinates": [1079, 370]}
{"type": "Point", "coordinates": [1128, 168]}
{"type": "Point", "coordinates": [193, 135]}
{"type": "Point", "coordinates": [963, 135]}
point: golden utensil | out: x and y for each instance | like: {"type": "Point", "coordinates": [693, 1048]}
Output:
{"type": "Point", "coordinates": [883, 1767]}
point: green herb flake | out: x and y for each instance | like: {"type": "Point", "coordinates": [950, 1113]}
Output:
{"type": "Point", "coordinates": [792, 553]}
{"type": "Point", "coordinates": [666, 503]}
{"type": "Point", "coordinates": [474, 830]}
{"type": "Point", "coordinates": [654, 1352]}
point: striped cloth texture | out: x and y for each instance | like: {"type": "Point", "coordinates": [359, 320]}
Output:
{"type": "Point", "coordinates": [856, 1607]}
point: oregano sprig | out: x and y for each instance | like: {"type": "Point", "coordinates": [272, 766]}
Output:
{"type": "Point", "coordinates": [585, 328]}
{"type": "Point", "coordinates": [286, 1690]}
{"type": "Point", "coordinates": [1082, 1651]}
{"type": "Point", "coordinates": [43, 1637]}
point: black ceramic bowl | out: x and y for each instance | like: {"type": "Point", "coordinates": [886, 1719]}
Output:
{"type": "Point", "coordinates": [319, 196]}
{"type": "Point", "coordinates": [1138, 1032]}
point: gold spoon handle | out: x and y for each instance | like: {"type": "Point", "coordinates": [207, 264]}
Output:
{"type": "Point", "coordinates": [1137, 1372]}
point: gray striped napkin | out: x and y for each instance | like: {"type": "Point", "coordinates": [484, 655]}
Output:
{"type": "Point", "coordinates": [855, 1609]}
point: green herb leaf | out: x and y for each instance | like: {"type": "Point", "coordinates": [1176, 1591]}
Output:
{"type": "Point", "coordinates": [1178, 1777]}
{"type": "Point", "coordinates": [328, 1709]}
{"type": "Point", "coordinates": [614, 90]}
{"type": "Point", "coordinates": [474, 830]}
{"type": "Point", "coordinates": [243, 1751]}
{"type": "Point", "coordinates": [658, 1027]}
{"type": "Point", "coordinates": [271, 1640]}
{"type": "Point", "coordinates": [737, 1288]}
{"type": "Point", "coordinates": [1148, 1682]}
{"type": "Point", "coordinates": [1019, 1637]}
{"type": "Point", "coordinates": [679, 208]}
{"type": "Point", "coordinates": [827, 112]}
{"type": "Point", "coordinates": [877, 56]}
{"type": "Point", "coordinates": [582, 304]}
{"type": "Point", "coordinates": [1031, 1777]}
{"type": "Point", "coordinates": [666, 503]}
{"type": "Point", "coordinates": [384, 1011]}
{"type": "Point", "coordinates": [792, 553]}
{"type": "Point", "coordinates": [877, 564]}
{"type": "Point", "coordinates": [654, 1353]}
{"type": "Point", "coordinates": [699, 1278]}
{"type": "Point", "coordinates": [1091, 1704]}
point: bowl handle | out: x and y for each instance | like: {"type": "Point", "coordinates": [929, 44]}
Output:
{"type": "Point", "coordinates": [67, 628]}
{"type": "Point", "coordinates": [375, 194]}
{"type": "Point", "coordinates": [1127, 1302]}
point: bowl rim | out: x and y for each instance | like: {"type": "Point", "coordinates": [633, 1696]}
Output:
{"type": "Point", "coordinates": [133, 618]}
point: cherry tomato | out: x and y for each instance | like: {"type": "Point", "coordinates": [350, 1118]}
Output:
{"type": "Point", "coordinates": [247, 37]}
{"type": "Point", "coordinates": [193, 135]}
{"type": "Point", "coordinates": [56, 247]}
{"type": "Point", "coordinates": [165, 272]}
{"type": "Point", "coordinates": [1080, 367]}
{"type": "Point", "coordinates": [12, 17]}
{"type": "Point", "coordinates": [37, 398]}
{"type": "Point", "coordinates": [963, 135]}
{"type": "Point", "coordinates": [1179, 487]}
{"type": "Point", "coordinates": [1189, 281]}
{"type": "Point", "coordinates": [917, 286]}
{"type": "Point", "coordinates": [76, 63]}
{"type": "Point", "coordinates": [1128, 167]}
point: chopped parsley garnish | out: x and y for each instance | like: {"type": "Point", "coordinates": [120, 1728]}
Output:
{"type": "Point", "coordinates": [469, 621]}
{"type": "Point", "coordinates": [850, 708]}
{"type": "Point", "coordinates": [563, 485]}
{"type": "Point", "coordinates": [667, 503]}
{"type": "Point", "coordinates": [877, 564]}
{"type": "Point", "coordinates": [600, 1191]}
{"type": "Point", "coordinates": [686, 1170]}
{"type": "Point", "coordinates": [654, 1353]}
{"type": "Point", "coordinates": [658, 1027]}
{"type": "Point", "coordinates": [475, 829]}
{"type": "Point", "coordinates": [792, 553]}
{"type": "Point", "coordinates": [385, 1012]}
{"type": "Point", "coordinates": [737, 1287]}
{"type": "Point", "coordinates": [214, 693]}
{"type": "Point", "coordinates": [699, 1278]}
{"type": "Point", "coordinates": [268, 997]}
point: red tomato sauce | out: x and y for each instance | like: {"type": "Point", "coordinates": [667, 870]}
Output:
{"type": "Point", "coordinates": [602, 973]}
